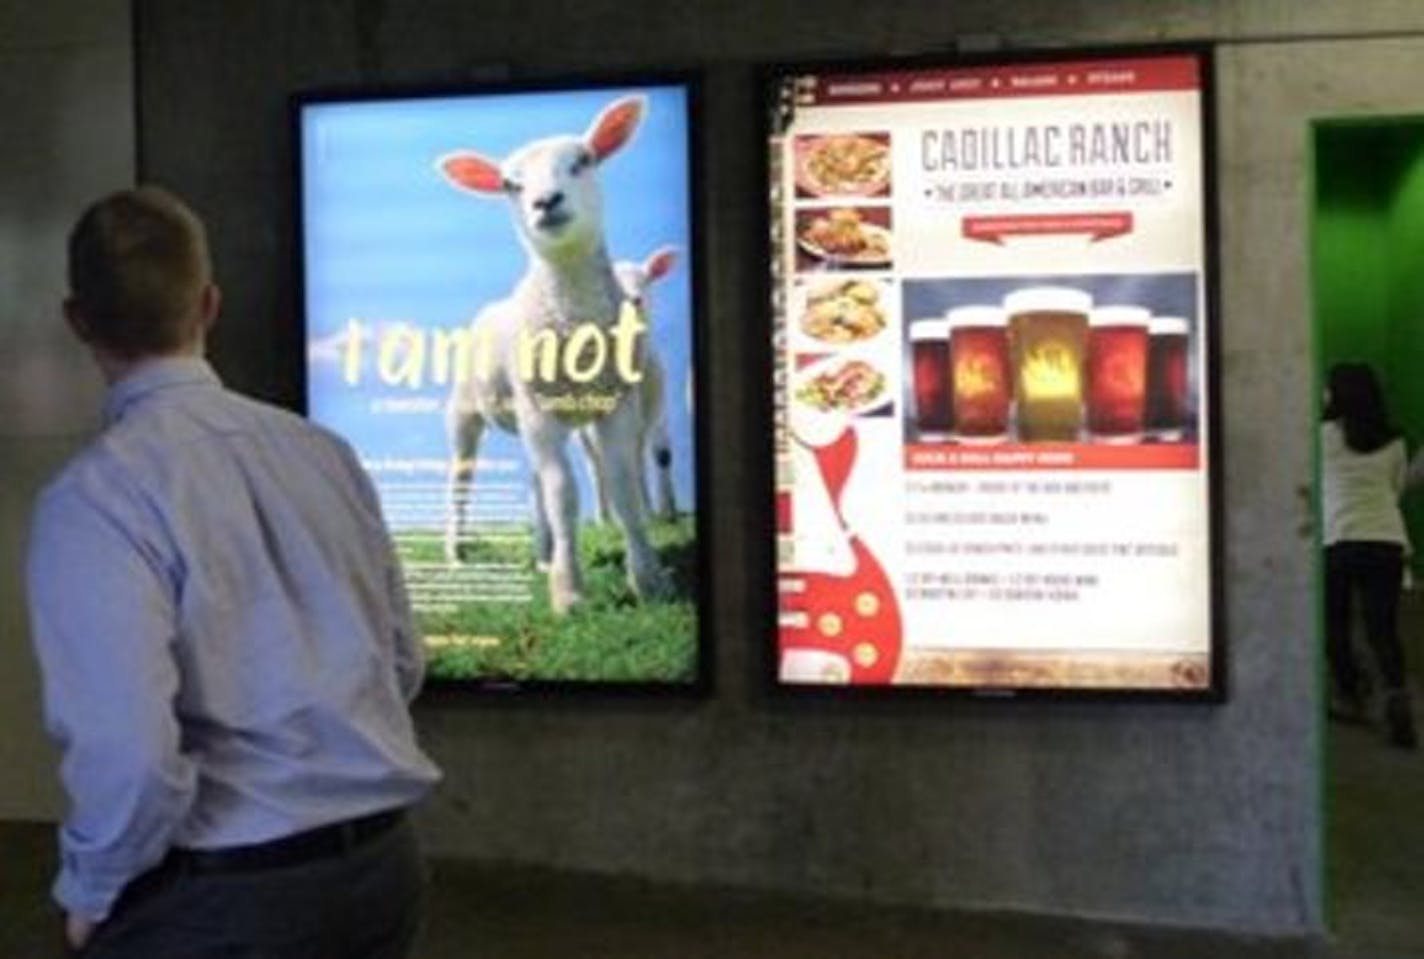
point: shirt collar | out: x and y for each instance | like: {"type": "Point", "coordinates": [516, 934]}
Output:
{"type": "Point", "coordinates": [155, 375]}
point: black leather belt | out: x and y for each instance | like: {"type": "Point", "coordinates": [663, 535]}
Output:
{"type": "Point", "coordinates": [324, 842]}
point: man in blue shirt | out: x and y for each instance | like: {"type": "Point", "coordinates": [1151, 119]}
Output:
{"type": "Point", "coordinates": [227, 650]}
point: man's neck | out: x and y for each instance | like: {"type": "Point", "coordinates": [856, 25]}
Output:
{"type": "Point", "coordinates": [116, 368]}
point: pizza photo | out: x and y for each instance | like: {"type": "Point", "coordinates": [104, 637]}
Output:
{"type": "Point", "coordinates": [843, 165]}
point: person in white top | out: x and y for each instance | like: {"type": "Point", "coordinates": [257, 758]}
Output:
{"type": "Point", "coordinates": [1363, 465]}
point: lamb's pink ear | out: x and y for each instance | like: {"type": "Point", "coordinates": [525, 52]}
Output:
{"type": "Point", "coordinates": [660, 262]}
{"type": "Point", "coordinates": [470, 171]}
{"type": "Point", "coordinates": [615, 126]}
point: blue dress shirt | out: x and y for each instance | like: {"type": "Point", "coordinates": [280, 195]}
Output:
{"type": "Point", "coordinates": [227, 649]}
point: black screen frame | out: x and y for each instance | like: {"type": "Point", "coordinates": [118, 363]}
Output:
{"type": "Point", "coordinates": [692, 83]}
{"type": "Point", "coordinates": [768, 85]}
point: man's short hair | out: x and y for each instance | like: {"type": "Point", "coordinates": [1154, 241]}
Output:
{"type": "Point", "coordinates": [138, 265]}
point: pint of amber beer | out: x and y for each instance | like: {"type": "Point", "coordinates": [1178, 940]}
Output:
{"type": "Point", "coordinates": [982, 386]}
{"type": "Point", "coordinates": [1048, 337]}
{"type": "Point", "coordinates": [1167, 400]}
{"type": "Point", "coordinates": [1117, 372]}
{"type": "Point", "coordinates": [930, 375]}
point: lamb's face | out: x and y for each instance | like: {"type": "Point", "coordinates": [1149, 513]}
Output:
{"type": "Point", "coordinates": [632, 280]}
{"type": "Point", "coordinates": [553, 185]}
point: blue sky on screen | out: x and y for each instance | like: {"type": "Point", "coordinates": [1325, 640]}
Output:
{"type": "Point", "coordinates": [388, 241]}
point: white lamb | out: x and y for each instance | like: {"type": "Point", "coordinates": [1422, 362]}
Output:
{"type": "Point", "coordinates": [568, 290]}
{"type": "Point", "coordinates": [635, 279]}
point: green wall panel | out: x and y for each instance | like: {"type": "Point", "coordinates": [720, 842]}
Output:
{"type": "Point", "coordinates": [1368, 266]}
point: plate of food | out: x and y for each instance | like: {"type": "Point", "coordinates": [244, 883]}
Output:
{"type": "Point", "coordinates": [841, 385]}
{"type": "Point", "coordinates": [843, 237]}
{"type": "Point", "coordinates": [843, 164]}
{"type": "Point", "coordinates": [843, 311]}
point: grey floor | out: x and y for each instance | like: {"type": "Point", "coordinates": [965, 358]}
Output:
{"type": "Point", "coordinates": [1376, 844]}
{"type": "Point", "coordinates": [480, 913]}
{"type": "Point", "coordinates": [1375, 810]}
{"type": "Point", "coordinates": [1375, 874]}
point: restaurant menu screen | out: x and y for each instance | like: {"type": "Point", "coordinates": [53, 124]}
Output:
{"type": "Point", "coordinates": [500, 319]}
{"type": "Point", "coordinates": [993, 402]}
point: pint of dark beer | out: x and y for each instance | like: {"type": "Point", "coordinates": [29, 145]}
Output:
{"type": "Point", "coordinates": [930, 373]}
{"type": "Point", "coordinates": [1168, 404]}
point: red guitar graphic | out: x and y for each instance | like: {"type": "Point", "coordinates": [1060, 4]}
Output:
{"type": "Point", "coordinates": [852, 620]}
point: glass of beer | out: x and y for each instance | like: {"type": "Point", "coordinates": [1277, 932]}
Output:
{"type": "Point", "coordinates": [1167, 400]}
{"type": "Point", "coordinates": [1048, 337]}
{"type": "Point", "coordinates": [1117, 372]}
{"type": "Point", "coordinates": [982, 387]}
{"type": "Point", "coordinates": [929, 374]}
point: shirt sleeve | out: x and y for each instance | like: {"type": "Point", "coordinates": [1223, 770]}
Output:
{"type": "Point", "coordinates": [103, 622]}
{"type": "Point", "coordinates": [410, 649]}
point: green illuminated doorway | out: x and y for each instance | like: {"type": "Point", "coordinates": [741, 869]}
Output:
{"type": "Point", "coordinates": [1367, 270]}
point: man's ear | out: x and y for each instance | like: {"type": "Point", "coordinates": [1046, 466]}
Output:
{"type": "Point", "coordinates": [210, 305]}
{"type": "Point", "coordinates": [78, 322]}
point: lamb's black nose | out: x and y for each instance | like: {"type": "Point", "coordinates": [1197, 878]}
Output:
{"type": "Point", "coordinates": [548, 201]}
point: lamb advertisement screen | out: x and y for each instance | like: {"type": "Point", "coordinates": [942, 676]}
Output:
{"type": "Point", "coordinates": [500, 319]}
{"type": "Point", "coordinates": [994, 402]}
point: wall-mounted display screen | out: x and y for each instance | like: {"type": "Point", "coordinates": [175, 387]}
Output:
{"type": "Point", "coordinates": [500, 317]}
{"type": "Point", "coordinates": [994, 395]}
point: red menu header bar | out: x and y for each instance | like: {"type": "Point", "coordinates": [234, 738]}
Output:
{"type": "Point", "coordinates": [1064, 456]}
{"type": "Point", "coordinates": [1081, 77]}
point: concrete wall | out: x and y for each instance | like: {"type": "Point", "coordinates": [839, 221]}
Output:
{"type": "Point", "coordinates": [1184, 815]}
{"type": "Point", "coordinates": [66, 122]}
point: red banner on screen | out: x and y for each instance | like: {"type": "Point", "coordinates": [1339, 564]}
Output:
{"type": "Point", "coordinates": [1015, 456]}
{"type": "Point", "coordinates": [1023, 80]}
{"type": "Point", "coordinates": [1096, 226]}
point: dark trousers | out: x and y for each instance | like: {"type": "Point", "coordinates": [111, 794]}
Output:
{"type": "Point", "coordinates": [1373, 573]}
{"type": "Point", "coordinates": [365, 903]}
